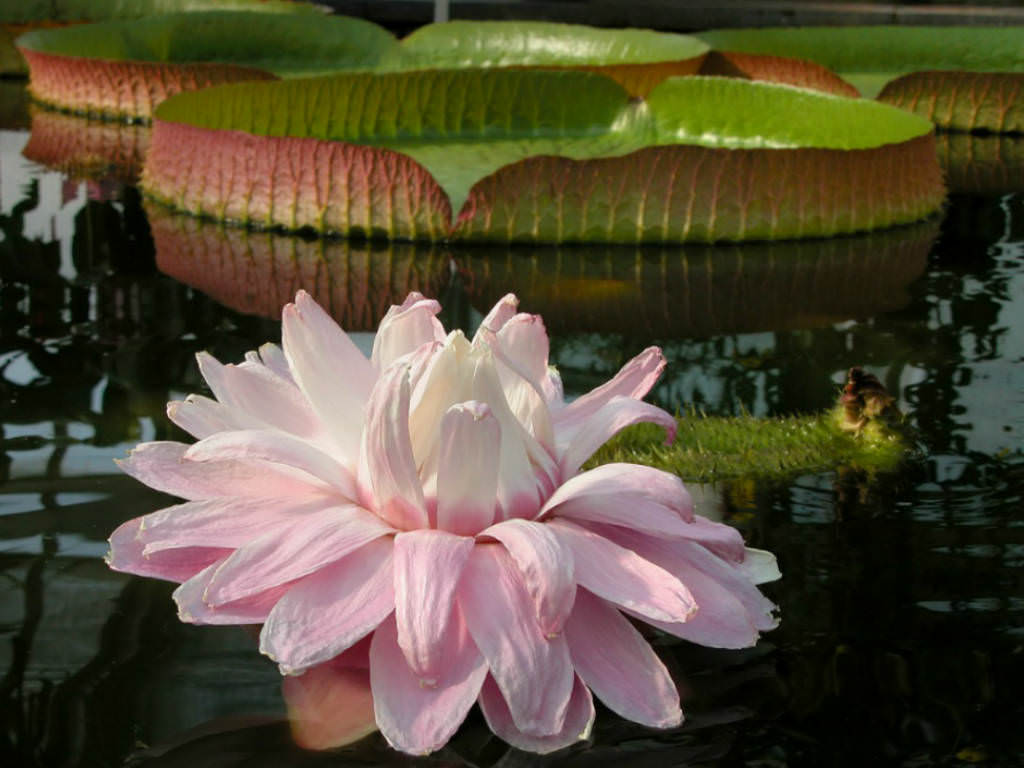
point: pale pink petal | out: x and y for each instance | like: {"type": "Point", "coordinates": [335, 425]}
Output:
{"type": "Point", "coordinates": [619, 666]}
{"type": "Point", "coordinates": [545, 566]}
{"type": "Point", "coordinates": [445, 381]}
{"type": "Point", "coordinates": [760, 566]}
{"type": "Point", "coordinates": [500, 314]}
{"type": "Point", "coordinates": [126, 555]}
{"type": "Point", "coordinates": [229, 522]}
{"type": "Point", "coordinates": [579, 719]}
{"type": "Point", "coordinates": [527, 471]}
{"type": "Point", "coordinates": [269, 445]}
{"type": "Point", "coordinates": [387, 467]}
{"type": "Point", "coordinates": [523, 341]}
{"type": "Point", "coordinates": [614, 416]}
{"type": "Point", "coordinates": [193, 609]}
{"type": "Point", "coordinates": [270, 400]}
{"type": "Point", "coordinates": [533, 671]}
{"type": "Point", "coordinates": [428, 565]}
{"type": "Point", "coordinates": [329, 369]}
{"type": "Point", "coordinates": [201, 417]}
{"type": "Point", "coordinates": [212, 371]}
{"type": "Point", "coordinates": [724, 540]}
{"type": "Point", "coordinates": [623, 577]}
{"type": "Point", "coordinates": [413, 717]}
{"type": "Point", "coordinates": [634, 380]}
{"type": "Point", "coordinates": [273, 357]}
{"type": "Point", "coordinates": [405, 328]}
{"type": "Point", "coordinates": [323, 538]}
{"type": "Point", "coordinates": [163, 466]}
{"type": "Point", "coordinates": [467, 472]}
{"type": "Point", "coordinates": [731, 610]}
{"type": "Point", "coordinates": [630, 495]}
{"type": "Point", "coordinates": [327, 612]}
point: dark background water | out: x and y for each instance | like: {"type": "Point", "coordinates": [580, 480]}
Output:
{"type": "Point", "coordinates": [902, 640]}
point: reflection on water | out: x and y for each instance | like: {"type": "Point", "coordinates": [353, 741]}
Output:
{"type": "Point", "coordinates": [903, 596]}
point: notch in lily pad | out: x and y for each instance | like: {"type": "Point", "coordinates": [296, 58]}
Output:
{"type": "Point", "coordinates": [961, 78]}
{"type": "Point", "coordinates": [539, 156]}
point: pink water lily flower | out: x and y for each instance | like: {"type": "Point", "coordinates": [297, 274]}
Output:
{"type": "Point", "coordinates": [429, 499]}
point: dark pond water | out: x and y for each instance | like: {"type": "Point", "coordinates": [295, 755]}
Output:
{"type": "Point", "coordinates": [902, 639]}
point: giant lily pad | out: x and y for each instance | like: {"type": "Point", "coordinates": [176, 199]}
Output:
{"type": "Point", "coordinates": [126, 68]}
{"type": "Point", "coordinates": [982, 165]}
{"type": "Point", "coordinates": [539, 156]}
{"type": "Point", "coordinates": [638, 59]}
{"type": "Point", "coordinates": [962, 78]}
{"type": "Point", "coordinates": [26, 15]}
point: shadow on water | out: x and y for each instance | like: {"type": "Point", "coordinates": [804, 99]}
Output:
{"type": "Point", "coordinates": [902, 637]}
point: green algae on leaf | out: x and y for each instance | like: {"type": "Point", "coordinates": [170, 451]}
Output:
{"type": "Point", "coordinates": [962, 78]}
{"type": "Point", "coordinates": [540, 156]}
{"type": "Point", "coordinates": [711, 449]}
{"type": "Point", "coordinates": [126, 68]}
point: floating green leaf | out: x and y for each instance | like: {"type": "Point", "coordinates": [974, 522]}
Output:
{"type": "Point", "coordinates": [24, 15]}
{"type": "Point", "coordinates": [638, 59]}
{"type": "Point", "coordinates": [962, 78]}
{"type": "Point", "coordinates": [528, 155]}
{"type": "Point", "coordinates": [125, 68]}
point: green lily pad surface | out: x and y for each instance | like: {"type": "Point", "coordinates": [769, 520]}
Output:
{"type": "Point", "coordinates": [23, 15]}
{"type": "Point", "coordinates": [638, 59]}
{"type": "Point", "coordinates": [125, 68]}
{"type": "Point", "coordinates": [531, 155]}
{"type": "Point", "coordinates": [962, 78]}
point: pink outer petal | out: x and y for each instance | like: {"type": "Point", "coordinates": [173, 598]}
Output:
{"type": "Point", "coordinates": [634, 380]}
{"type": "Point", "coordinates": [623, 577]}
{"type": "Point", "coordinates": [201, 417]}
{"type": "Point", "coordinates": [323, 538]}
{"type": "Point", "coordinates": [523, 342]}
{"type": "Point", "coordinates": [602, 425]}
{"type": "Point", "coordinates": [467, 472]}
{"type": "Point", "coordinates": [405, 328]}
{"type": "Point", "coordinates": [546, 567]}
{"type": "Point", "coordinates": [163, 466]}
{"type": "Point", "coordinates": [267, 399]}
{"type": "Point", "coordinates": [126, 555]}
{"type": "Point", "coordinates": [229, 522]}
{"type": "Point", "coordinates": [731, 610]}
{"type": "Point", "coordinates": [273, 357]}
{"type": "Point", "coordinates": [327, 612]}
{"type": "Point", "coordinates": [500, 314]}
{"type": "Point", "coordinates": [428, 565]}
{"type": "Point", "coordinates": [533, 671]}
{"type": "Point", "coordinates": [638, 497]}
{"type": "Point", "coordinates": [193, 609]}
{"type": "Point", "coordinates": [579, 719]}
{"type": "Point", "coordinates": [329, 369]}
{"type": "Point", "coordinates": [420, 719]}
{"type": "Point", "coordinates": [619, 666]}
{"type": "Point", "coordinates": [760, 566]}
{"type": "Point", "coordinates": [387, 467]}
{"type": "Point", "coordinates": [277, 447]}
{"type": "Point", "coordinates": [528, 473]}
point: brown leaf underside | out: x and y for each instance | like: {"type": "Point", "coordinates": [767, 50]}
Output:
{"type": "Point", "coordinates": [657, 194]}
{"type": "Point", "coordinates": [776, 69]}
{"type": "Point", "coordinates": [962, 101]}
{"type": "Point", "coordinates": [122, 88]}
